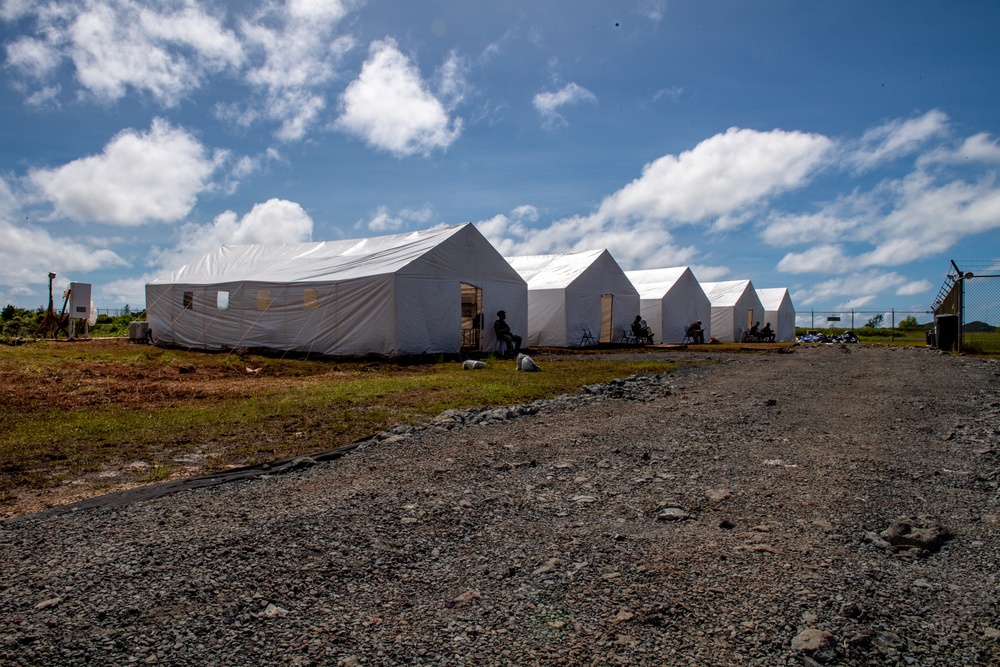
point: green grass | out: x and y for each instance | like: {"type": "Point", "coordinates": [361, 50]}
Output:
{"type": "Point", "coordinates": [83, 414]}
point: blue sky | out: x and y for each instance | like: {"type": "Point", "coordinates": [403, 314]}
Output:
{"type": "Point", "coordinates": [844, 150]}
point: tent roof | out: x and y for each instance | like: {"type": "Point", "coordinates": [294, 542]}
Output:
{"type": "Point", "coordinates": [725, 293]}
{"type": "Point", "coordinates": [553, 271]}
{"type": "Point", "coordinates": [771, 297]}
{"type": "Point", "coordinates": [655, 283]}
{"type": "Point", "coordinates": [320, 261]}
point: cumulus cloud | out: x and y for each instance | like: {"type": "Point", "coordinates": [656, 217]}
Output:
{"type": "Point", "coordinates": [719, 176]}
{"type": "Point", "coordinates": [28, 253]}
{"type": "Point", "coordinates": [139, 178]}
{"type": "Point", "coordinates": [163, 49]}
{"type": "Point", "coordinates": [298, 57]}
{"type": "Point", "coordinates": [717, 179]}
{"type": "Point", "coordinates": [390, 107]}
{"type": "Point", "coordinates": [287, 51]}
{"type": "Point", "coordinates": [384, 222]}
{"type": "Point", "coordinates": [274, 221]}
{"type": "Point", "coordinates": [548, 104]}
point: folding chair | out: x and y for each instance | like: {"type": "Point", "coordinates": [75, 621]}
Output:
{"type": "Point", "coordinates": [587, 338]}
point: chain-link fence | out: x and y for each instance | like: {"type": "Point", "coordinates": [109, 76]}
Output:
{"type": "Point", "coordinates": [967, 308]}
{"type": "Point", "coordinates": [906, 326]}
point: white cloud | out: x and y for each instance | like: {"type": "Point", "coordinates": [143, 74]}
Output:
{"type": "Point", "coordinates": [115, 45]}
{"type": "Point", "coordinates": [452, 80]}
{"type": "Point", "coordinates": [822, 227]}
{"type": "Point", "coordinates": [33, 57]}
{"type": "Point", "coordinates": [673, 93]}
{"type": "Point", "coordinates": [820, 259]}
{"type": "Point", "coordinates": [861, 287]}
{"type": "Point", "coordinates": [28, 253]}
{"type": "Point", "coordinates": [140, 177]}
{"type": "Point", "coordinates": [719, 176]}
{"type": "Point", "coordinates": [929, 217]}
{"type": "Point", "coordinates": [390, 107]}
{"type": "Point", "coordinates": [914, 287]}
{"type": "Point", "coordinates": [654, 10]}
{"type": "Point", "coordinates": [299, 57]}
{"type": "Point", "coordinates": [979, 148]}
{"type": "Point", "coordinates": [382, 221]}
{"type": "Point", "coordinates": [548, 104]}
{"type": "Point", "coordinates": [167, 48]}
{"type": "Point", "coordinates": [274, 221]}
{"type": "Point", "coordinates": [896, 139]}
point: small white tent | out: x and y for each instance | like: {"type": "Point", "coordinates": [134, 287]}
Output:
{"type": "Point", "coordinates": [423, 292]}
{"type": "Point", "coordinates": [670, 300]}
{"type": "Point", "coordinates": [735, 308]}
{"type": "Point", "coordinates": [779, 311]}
{"type": "Point", "coordinates": [571, 293]}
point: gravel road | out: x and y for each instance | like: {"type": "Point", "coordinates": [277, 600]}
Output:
{"type": "Point", "coordinates": [740, 512]}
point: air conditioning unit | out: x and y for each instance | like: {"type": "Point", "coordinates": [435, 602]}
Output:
{"type": "Point", "coordinates": [138, 332]}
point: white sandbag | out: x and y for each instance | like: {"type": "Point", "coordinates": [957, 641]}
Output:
{"type": "Point", "coordinates": [469, 364]}
{"type": "Point", "coordinates": [526, 363]}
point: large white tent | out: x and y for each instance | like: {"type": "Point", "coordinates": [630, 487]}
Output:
{"type": "Point", "coordinates": [735, 308]}
{"type": "Point", "coordinates": [423, 292]}
{"type": "Point", "coordinates": [574, 293]}
{"type": "Point", "coordinates": [670, 300]}
{"type": "Point", "coordinates": [779, 311]}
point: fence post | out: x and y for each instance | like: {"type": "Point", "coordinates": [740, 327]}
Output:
{"type": "Point", "coordinates": [852, 319]}
{"type": "Point", "coordinates": [893, 311]}
{"type": "Point", "coordinates": [812, 318]}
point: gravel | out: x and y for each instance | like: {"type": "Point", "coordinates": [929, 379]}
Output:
{"type": "Point", "coordinates": [746, 511]}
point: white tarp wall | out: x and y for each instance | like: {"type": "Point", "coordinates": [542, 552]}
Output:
{"type": "Point", "coordinates": [779, 311]}
{"type": "Point", "coordinates": [565, 296]}
{"type": "Point", "coordinates": [390, 295]}
{"type": "Point", "coordinates": [735, 307]}
{"type": "Point", "coordinates": [670, 300]}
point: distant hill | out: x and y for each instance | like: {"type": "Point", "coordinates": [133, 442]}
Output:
{"type": "Point", "coordinates": [978, 327]}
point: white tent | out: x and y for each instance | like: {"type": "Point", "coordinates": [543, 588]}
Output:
{"type": "Point", "coordinates": [423, 292]}
{"type": "Point", "coordinates": [735, 308]}
{"type": "Point", "coordinates": [670, 300]}
{"type": "Point", "coordinates": [573, 293]}
{"type": "Point", "coordinates": [779, 311]}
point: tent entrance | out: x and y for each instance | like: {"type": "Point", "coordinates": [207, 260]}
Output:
{"type": "Point", "coordinates": [607, 319]}
{"type": "Point", "coordinates": [749, 319]}
{"type": "Point", "coordinates": [472, 317]}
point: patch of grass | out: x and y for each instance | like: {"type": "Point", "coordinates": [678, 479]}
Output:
{"type": "Point", "coordinates": [67, 409]}
{"type": "Point", "coordinates": [157, 473]}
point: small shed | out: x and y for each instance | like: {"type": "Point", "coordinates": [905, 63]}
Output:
{"type": "Point", "coordinates": [423, 292]}
{"type": "Point", "coordinates": [670, 300]}
{"type": "Point", "coordinates": [572, 294]}
{"type": "Point", "coordinates": [735, 308]}
{"type": "Point", "coordinates": [779, 311]}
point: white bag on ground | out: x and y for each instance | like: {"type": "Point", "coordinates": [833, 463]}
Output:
{"type": "Point", "coordinates": [526, 363]}
{"type": "Point", "coordinates": [472, 364]}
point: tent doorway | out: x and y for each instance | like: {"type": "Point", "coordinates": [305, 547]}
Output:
{"type": "Point", "coordinates": [749, 319]}
{"type": "Point", "coordinates": [607, 319]}
{"type": "Point", "coordinates": [472, 317]}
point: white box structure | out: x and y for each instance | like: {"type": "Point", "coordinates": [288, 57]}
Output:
{"type": "Point", "coordinates": [79, 301]}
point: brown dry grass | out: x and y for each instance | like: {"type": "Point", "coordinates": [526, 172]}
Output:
{"type": "Point", "coordinates": [90, 417]}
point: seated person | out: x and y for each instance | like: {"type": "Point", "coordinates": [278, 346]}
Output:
{"type": "Point", "coordinates": [641, 330]}
{"type": "Point", "coordinates": [753, 334]}
{"type": "Point", "coordinates": [766, 333]}
{"type": "Point", "coordinates": [503, 332]}
{"type": "Point", "coordinates": [695, 333]}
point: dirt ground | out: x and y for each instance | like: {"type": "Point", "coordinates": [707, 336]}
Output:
{"type": "Point", "coordinates": [743, 512]}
